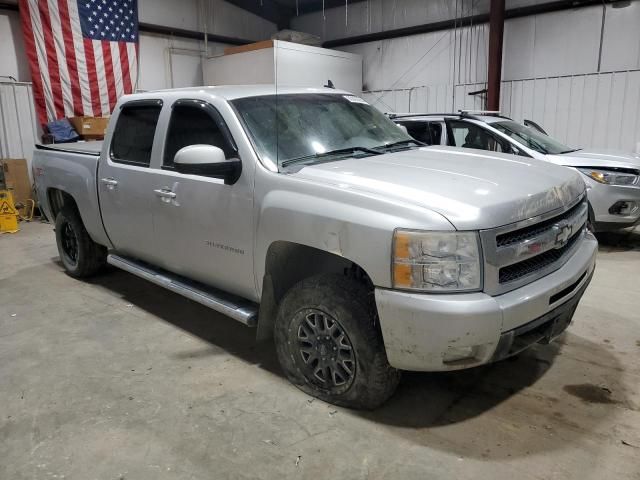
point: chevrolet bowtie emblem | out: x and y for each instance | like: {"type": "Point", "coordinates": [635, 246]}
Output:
{"type": "Point", "coordinates": [564, 231]}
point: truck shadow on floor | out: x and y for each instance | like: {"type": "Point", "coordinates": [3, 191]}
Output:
{"type": "Point", "coordinates": [619, 241]}
{"type": "Point", "coordinates": [496, 411]}
{"type": "Point", "coordinates": [509, 409]}
{"type": "Point", "coordinates": [221, 333]}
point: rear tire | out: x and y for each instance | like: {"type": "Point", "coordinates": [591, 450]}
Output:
{"type": "Point", "coordinates": [80, 256]}
{"type": "Point", "coordinates": [329, 344]}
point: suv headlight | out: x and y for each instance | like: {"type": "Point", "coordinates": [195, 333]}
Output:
{"type": "Point", "coordinates": [610, 177]}
{"type": "Point", "coordinates": [436, 261]}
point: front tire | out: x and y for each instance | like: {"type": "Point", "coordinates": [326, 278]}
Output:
{"type": "Point", "coordinates": [329, 344]}
{"type": "Point", "coordinates": [80, 256]}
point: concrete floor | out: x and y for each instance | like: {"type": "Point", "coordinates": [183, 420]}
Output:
{"type": "Point", "coordinates": [119, 379]}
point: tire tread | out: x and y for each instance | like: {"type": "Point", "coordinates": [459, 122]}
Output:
{"type": "Point", "coordinates": [333, 289]}
{"type": "Point", "coordinates": [92, 256]}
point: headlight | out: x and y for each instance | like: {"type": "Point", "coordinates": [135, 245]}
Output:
{"type": "Point", "coordinates": [610, 177]}
{"type": "Point", "coordinates": [436, 261]}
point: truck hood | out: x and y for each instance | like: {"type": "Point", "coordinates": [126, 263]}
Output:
{"type": "Point", "coordinates": [473, 189]}
{"type": "Point", "coordinates": [597, 158]}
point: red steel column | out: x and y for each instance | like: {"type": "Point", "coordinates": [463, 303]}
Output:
{"type": "Point", "coordinates": [496, 29]}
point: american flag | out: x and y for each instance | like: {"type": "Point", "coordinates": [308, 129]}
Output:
{"type": "Point", "coordinates": [83, 54]}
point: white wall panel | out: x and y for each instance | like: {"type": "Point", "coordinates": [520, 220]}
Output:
{"type": "Point", "coordinates": [620, 46]}
{"type": "Point", "coordinates": [425, 59]}
{"type": "Point", "coordinates": [18, 130]}
{"type": "Point", "coordinates": [519, 38]}
{"type": "Point", "coordinates": [13, 60]}
{"type": "Point", "coordinates": [558, 49]}
{"type": "Point", "coordinates": [185, 68]}
{"type": "Point", "coordinates": [169, 63]}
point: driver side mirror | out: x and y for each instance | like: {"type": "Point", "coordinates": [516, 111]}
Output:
{"type": "Point", "coordinates": [208, 161]}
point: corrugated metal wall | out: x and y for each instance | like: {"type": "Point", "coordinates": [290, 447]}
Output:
{"type": "Point", "coordinates": [600, 110]}
{"type": "Point", "coordinates": [18, 128]}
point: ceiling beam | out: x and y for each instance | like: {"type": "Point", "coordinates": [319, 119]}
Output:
{"type": "Point", "coordinates": [277, 12]}
{"type": "Point", "coordinates": [268, 9]}
{"type": "Point", "coordinates": [192, 34]}
{"type": "Point", "coordinates": [548, 7]}
{"type": "Point", "coordinates": [309, 6]}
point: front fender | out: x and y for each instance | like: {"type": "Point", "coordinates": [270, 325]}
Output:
{"type": "Point", "coordinates": [356, 226]}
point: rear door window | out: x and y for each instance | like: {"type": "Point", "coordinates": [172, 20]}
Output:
{"type": "Point", "coordinates": [469, 135]}
{"type": "Point", "coordinates": [426, 132]}
{"type": "Point", "coordinates": [133, 136]}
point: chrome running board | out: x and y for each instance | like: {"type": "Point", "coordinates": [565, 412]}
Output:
{"type": "Point", "coordinates": [237, 308]}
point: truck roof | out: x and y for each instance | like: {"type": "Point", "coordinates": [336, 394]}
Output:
{"type": "Point", "coordinates": [231, 92]}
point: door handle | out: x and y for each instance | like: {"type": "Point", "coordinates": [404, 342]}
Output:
{"type": "Point", "coordinates": [165, 194]}
{"type": "Point", "coordinates": [111, 183]}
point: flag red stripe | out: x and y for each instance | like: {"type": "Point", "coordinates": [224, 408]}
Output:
{"type": "Point", "coordinates": [52, 59]}
{"type": "Point", "coordinates": [32, 56]}
{"type": "Point", "coordinates": [108, 72]}
{"type": "Point", "coordinates": [124, 65]}
{"type": "Point", "coordinates": [93, 77]}
{"type": "Point", "coordinates": [70, 52]}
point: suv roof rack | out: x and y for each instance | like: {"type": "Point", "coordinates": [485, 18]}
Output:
{"type": "Point", "coordinates": [479, 112]}
{"type": "Point", "coordinates": [406, 115]}
{"type": "Point", "coordinates": [461, 113]}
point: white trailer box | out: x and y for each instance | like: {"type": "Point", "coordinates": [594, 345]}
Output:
{"type": "Point", "coordinates": [285, 63]}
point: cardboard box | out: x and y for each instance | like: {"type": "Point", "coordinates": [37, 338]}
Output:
{"type": "Point", "coordinates": [16, 178]}
{"type": "Point", "coordinates": [90, 127]}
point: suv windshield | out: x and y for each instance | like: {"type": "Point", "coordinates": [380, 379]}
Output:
{"type": "Point", "coordinates": [531, 138]}
{"type": "Point", "coordinates": [295, 128]}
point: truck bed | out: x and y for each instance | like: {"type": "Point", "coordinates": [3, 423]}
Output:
{"type": "Point", "coordinates": [70, 168]}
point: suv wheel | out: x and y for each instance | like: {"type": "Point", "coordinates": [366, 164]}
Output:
{"type": "Point", "coordinates": [329, 344]}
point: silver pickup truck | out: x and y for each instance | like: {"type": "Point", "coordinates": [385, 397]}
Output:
{"type": "Point", "coordinates": [312, 216]}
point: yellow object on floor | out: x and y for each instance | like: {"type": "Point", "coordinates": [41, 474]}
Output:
{"type": "Point", "coordinates": [8, 213]}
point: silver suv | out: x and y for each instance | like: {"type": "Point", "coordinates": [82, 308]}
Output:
{"type": "Point", "coordinates": [612, 178]}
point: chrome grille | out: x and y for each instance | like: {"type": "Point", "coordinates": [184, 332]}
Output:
{"type": "Point", "coordinates": [526, 233]}
{"type": "Point", "coordinates": [526, 267]}
{"type": "Point", "coordinates": [521, 253]}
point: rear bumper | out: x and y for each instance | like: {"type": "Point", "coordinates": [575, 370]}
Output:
{"type": "Point", "coordinates": [427, 332]}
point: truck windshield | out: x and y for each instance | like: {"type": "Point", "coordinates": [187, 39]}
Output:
{"type": "Point", "coordinates": [308, 128]}
{"type": "Point", "coordinates": [531, 138]}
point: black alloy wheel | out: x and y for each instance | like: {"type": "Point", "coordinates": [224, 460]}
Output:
{"type": "Point", "coordinates": [326, 356]}
{"type": "Point", "coordinates": [69, 243]}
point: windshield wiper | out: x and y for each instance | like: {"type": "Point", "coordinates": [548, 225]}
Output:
{"type": "Point", "coordinates": [537, 147]}
{"type": "Point", "coordinates": [570, 150]}
{"type": "Point", "coordinates": [339, 151]}
{"type": "Point", "coordinates": [401, 142]}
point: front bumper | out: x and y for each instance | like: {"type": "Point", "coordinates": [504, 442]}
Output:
{"type": "Point", "coordinates": [429, 332]}
{"type": "Point", "coordinates": [603, 197]}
